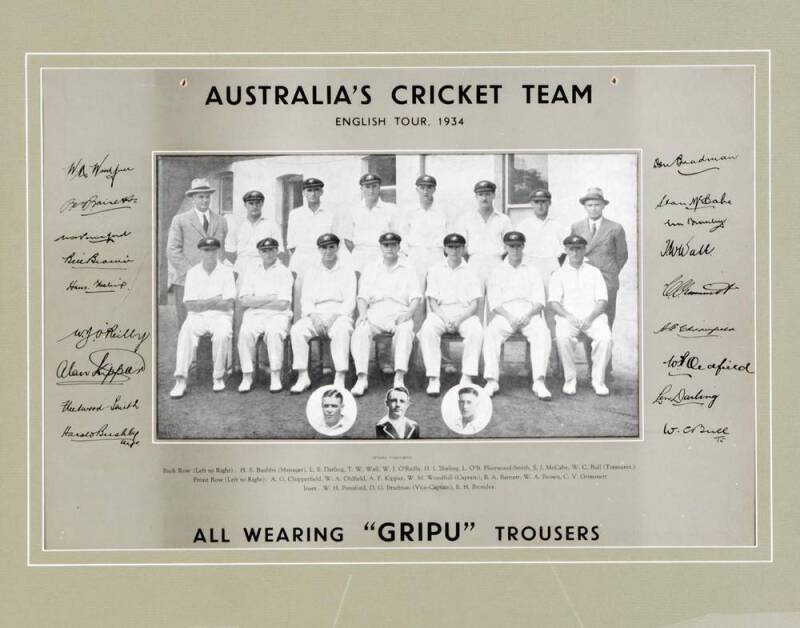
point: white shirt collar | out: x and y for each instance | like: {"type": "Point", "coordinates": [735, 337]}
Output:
{"type": "Point", "coordinates": [444, 263]}
{"type": "Point", "coordinates": [521, 264]}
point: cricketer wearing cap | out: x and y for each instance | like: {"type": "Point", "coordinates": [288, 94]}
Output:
{"type": "Point", "coordinates": [266, 292]}
{"type": "Point", "coordinates": [543, 235]}
{"type": "Point", "coordinates": [240, 245]}
{"type": "Point", "coordinates": [366, 223]}
{"type": "Point", "coordinates": [426, 228]}
{"type": "Point", "coordinates": [578, 297]}
{"type": "Point", "coordinates": [484, 230]}
{"type": "Point", "coordinates": [306, 224]}
{"type": "Point", "coordinates": [388, 296]}
{"type": "Point", "coordinates": [241, 251]}
{"type": "Point", "coordinates": [327, 303]}
{"type": "Point", "coordinates": [453, 292]}
{"type": "Point", "coordinates": [185, 230]}
{"type": "Point", "coordinates": [606, 247]}
{"type": "Point", "coordinates": [209, 294]}
{"type": "Point", "coordinates": [516, 297]}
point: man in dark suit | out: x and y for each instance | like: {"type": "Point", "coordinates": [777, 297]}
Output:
{"type": "Point", "coordinates": [607, 249]}
{"type": "Point", "coordinates": [396, 425]}
{"type": "Point", "coordinates": [184, 232]}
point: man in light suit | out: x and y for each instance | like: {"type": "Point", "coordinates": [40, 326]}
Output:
{"type": "Point", "coordinates": [184, 232]}
{"type": "Point", "coordinates": [607, 249]}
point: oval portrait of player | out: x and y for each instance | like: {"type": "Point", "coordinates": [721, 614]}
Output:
{"type": "Point", "coordinates": [331, 411]}
{"type": "Point", "coordinates": [466, 409]}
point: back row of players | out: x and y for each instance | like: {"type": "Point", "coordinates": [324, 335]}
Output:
{"type": "Point", "coordinates": [391, 271]}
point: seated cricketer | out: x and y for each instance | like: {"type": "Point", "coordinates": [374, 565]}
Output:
{"type": "Point", "coordinates": [388, 296]}
{"type": "Point", "coordinates": [516, 297]}
{"type": "Point", "coordinates": [266, 293]}
{"type": "Point", "coordinates": [209, 293]}
{"type": "Point", "coordinates": [453, 292]}
{"type": "Point", "coordinates": [327, 302]}
{"type": "Point", "coordinates": [578, 298]}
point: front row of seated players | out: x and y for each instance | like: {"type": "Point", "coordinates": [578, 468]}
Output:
{"type": "Point", "coordinates": [388, 296]}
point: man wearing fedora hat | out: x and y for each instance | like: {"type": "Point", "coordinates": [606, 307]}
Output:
{"type": "Point", "coordinates": [607, 249]}
{"type": "Point", "coordinates": [185, 230]}
{"type": "Point", "coordinates": [209, 294]}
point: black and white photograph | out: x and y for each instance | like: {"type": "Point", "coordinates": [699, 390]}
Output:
{"type": "Point", "coordinates": [513, 274]}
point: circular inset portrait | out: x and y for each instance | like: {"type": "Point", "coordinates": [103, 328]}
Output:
{"type": "Point", "coordinates": [331, 411]}
{"type": "Point", "coordinates": [466, 409]}
{"type": "Point", "coordinates": [395, 424]}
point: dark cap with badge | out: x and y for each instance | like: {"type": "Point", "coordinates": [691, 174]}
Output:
{"type": "Point", "coordinates": [327, 238]}
{"type": "Point", "coordinates": [514, 237]}
{"type": "Point", "coordinates": [369, 178]}
{"type": "Point", "coordinates": [208, 244]}
{"type": "Point", "coordinates": [539, 195]}
{"type": "Point", "coordinates": [426, 179]}
{"type": "Point", "coordinates": [389, 238]}
{"type": "Point", "coordinates": [454, 239]}
{"type": "Point", "coordinates": [484, 186]}
{"type": "Point", "coordinates": [253, 195]}
{"type": "Point", "coordinates": [574, 240]}
{"type": "Point", "coordinates": [312, 184]}
{"type": "Point", "coordinates": [267, 243]}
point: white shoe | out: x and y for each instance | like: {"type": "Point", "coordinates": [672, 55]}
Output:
{"type": "Point", "coordinates": [399, 380]}
{"type": "Point", "coordinates": [466, 380]}
{"type": "Point", "coordinates": [433, 387]}
{"type": "Point", "coordinates": [540, 390]}
{"type": "Point", "coordinates": [303, 384]}
{"type": "Point", "coordinates": [247, 382]}
{"type": "Point", "coordinates": [491, 387]}
{"type": "Point", "coordinates": [179, 389]}
{"type": "Point", "coordinates": [338, 380]}
{"type": "Point", "coordinates": [569, 387]}
{"type": "Point", "coordinates": [360, 387]}
{"type": "Point", "coordinates": [219, 385]}
{"type": "Point", "coordinates": [275, 384]}
{"type": "Point", "coordinates": [600, 390]}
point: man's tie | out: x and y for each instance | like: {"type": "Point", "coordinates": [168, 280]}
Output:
{"type": "Point", "coordinates": [594, 228]}
{"type": "Point", "coordinates": [205, 223]}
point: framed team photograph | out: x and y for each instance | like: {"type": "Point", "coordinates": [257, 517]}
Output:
{"type": "Point", "coordinates": [280, 273]}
